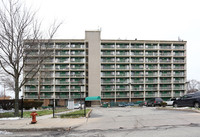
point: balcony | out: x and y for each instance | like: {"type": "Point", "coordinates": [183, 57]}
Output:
{"type": "Point", "coordinates": [122, 60]}
{"type": "Point", "coordinates": [179, 75]}
{"type": "Point", "coordinates": [122, 75]}
{"type": "Point", "coordinates": [165, 54]}
{"type": "Point", "coordinates": [108, 53]}
{"type": "Point", "coordinates": [47, 82]}
{"type": "Point", "coordinates": [135, 68]}
{"type": "Point", "coordinates": [62, 96]}
{"type": "Point", "coordinates": [78, 53]}
{"type": "Point", "coordinates": [179, 67]}
{"type": "Point", "coordinates": [122, 96]}
{"type": "Point", "coordinates": [122, 46]}
{"type": "Point", "coordinates": [46, 89]}
{"type": "Point", "coordinates": [108, 96]}
{"type": "Point", "coordinates": [108, 60]}
{"type": "Point", "coordinates": [108, 67]}
{"type": "Point", "coordinates": [179, 54]}
{"type": "Point", "coordinates": [179, 81]}
{"type": "Point", "coordinates": [165, 47]}
{"type": "Point", "coordinates": [134, 60]}
{"type": "Point", "coordinates": [151, 54]}
{"type": "Point", "coordinates": [122, 89]}
{"type": "Point", "coordinates": [62, 89]}
{"type": "Point", "coordinates": [31, 90]}
{"type": "Point", "coordinates": [62, 82]}
{"type": "Point", "coordinates": [151, 61]}
{"type": "Point", "coordinates": [178, 47]}
{"type": "Point", "coordinates": [76, 96]}
{"type": "Point", "coordinates": [151, 81]}
{"type": "Point", "coordinates": [31, 96]}
{"type": "Point", "coordinates": [62, 61]}
{"type": "Point", "coordinates": [134, 46]}
{"type": "Point", "coordinates": [62, 75]}
{"type": "Point", "coordinates": [137, 89]}
{"type": "Point", "coordinates": [165, 61]}
{"type": "Point", "coordinates": [108, 89]}
{"type": "Point", "coordinates": [152, 75]}
{"type": "Point", "coordinates": [165, 74]}
{"type": "Point", "coordinates": [122, 82]}
{"type": "Point", "coordinates": [107, 82]}
{"type": "Point", "coordinates": [76, 89]}
{"type": "Point", "coordinates": [137, 54]}
{"type": "Point", "coordinates": [62, 53]}
{"type": "Point", "coordinates": [151, 47]}
{"type": "Point", "coordinates": [151, 95]}
{"type": "Point", "coordinates": [108, 75]}
{"type": "Point", "coordinates": [77, 82]}
{"type": "Point", "coordinates": [46, 97]}
{"type": "Point", "coordinates": [122, 53]}
{"type": "Point", "coordinates": [179, 88]}
{"type": "Point", "coordinates": [151, 88]}
{"type": "Point", "coordinates": [138, 95]}
{"type": "Point", "coordinates": [137, 81]}
{"type": "Point", "coordinates": [122, 67]}
{"type": "Point", "coordinates": [63, 46]}
{"type": "Point", "coordinates": [77, 46]}
{"type": "Point", "coordinates": [76, 67]}
{"type": "Point", "coordinates": [165, 81]}
{"type": "Point", "coordinates": [108, 46]}
{"type": "Point", "coordinates": [32, 83]}
{"type": "Point", "coordinates": [165, 88]}
{"type": "Point", "coordinates": [179, 61]}
{"type": "Point", "coordinates": [165, 67]}
{"type": "Point", "coordinates": [77, 60]}
{"type": "Point", "coordinates": [136, 74]}
{"type": "Point", "coordinates": [178, 94]}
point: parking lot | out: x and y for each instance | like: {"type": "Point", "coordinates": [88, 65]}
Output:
{"type": "Point", "coordinates": [130, 122]}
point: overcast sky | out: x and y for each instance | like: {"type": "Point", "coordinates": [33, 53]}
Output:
{"type": "Point", "coordinates": [128, 19]}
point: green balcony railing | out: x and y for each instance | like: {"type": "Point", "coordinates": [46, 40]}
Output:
{"type": "Point", "coordinates": [108, 96]}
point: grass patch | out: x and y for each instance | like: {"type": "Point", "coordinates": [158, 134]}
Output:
{"type": "Point", "coordinates": [26, 114]}
{"type": "Point", "coordinates": [75, 114]}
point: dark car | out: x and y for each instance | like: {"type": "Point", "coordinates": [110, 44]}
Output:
{"type": "Point", "coordinates": [188, 100]}
{"type": "Point", "coordinates": [154, 102]}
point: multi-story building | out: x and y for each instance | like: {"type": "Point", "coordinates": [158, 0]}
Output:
{"type": "Point", "coordinates": [116, 70]}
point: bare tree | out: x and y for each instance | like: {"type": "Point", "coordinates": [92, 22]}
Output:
{"type": "Point", "coordinates": [18, 23]}
{"type": "Point", "coordinates": [193, 86]}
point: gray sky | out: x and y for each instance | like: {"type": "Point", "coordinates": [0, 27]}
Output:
{"type": "Point", "coordinates": [128, 19]}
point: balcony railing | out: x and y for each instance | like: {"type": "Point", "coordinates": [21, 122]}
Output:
{"type": "Point", "coordinates": [122, 89]}
{"type": "Point", "coordinates": [108, 53]}
{"type": "Point", "coordinates": [108, 75]}
{"type": "Point", "coordinates": [108, 89]}
{"type": "Point", "coordinates": [46, 96]}
{"type": "Point", "coordinates": [151, 81]}
{"type": "Point", "coordinates": [105, 60]}
{"type": "Point", "coordinates": [108, 46]}
{"type": "Point", "coordinates": [62, 82]}
{"type": "Point", "coordinates": [62, 89]}
{"type": "Point", "coordinates": [122, 96]}
{"type": "Point", "coordinates": [122, 53]}
{"type": "Point", "coordinates": [108, 96]}
{"type": "Point", "coordinates": [178, 81]}
{"type": "Point", "coordinates": [123, 67]}
{"type": "Point", "coordinates": [151, 47]}
{"type": "Point", "coordinates": [165, 81]}
{"type": "Point", "coordinates": [150, 95]}
{"type": "Point", "coordinates": [165, 54]}
{"type": "Point", "coordinates": [179, 61]}
{"type": "Point", "coordinates": [137, 81]}
{"type": "Point", "coordinates": [137, 89]}
{"type": "Point", "coordinates": [47, 89]}
{"type": "Point", "coordinates": [108, 67]}
{"type": "Point", "coordinates": [165, 74]}
{"type": "Point", "coordinates": [179, 54]}
{"type": "Point", "coordinates": [31, 96]}
{"type": "Point", "coordinates": [62, 96]}
{"type": "Point", "coordinates": [107, 82]}
{"type": "Point", "coordinates": [180, 74]}
{"type": "Point", "coordinates": [138, 95]}
{"type": "Point", "coordinates": [134, 60]}
{"type": "Point", "coordinates": [122, 46]}
{"type": "Point", "coordinates": [151, 88]}
{"type": "Point", "coordinates": [179, 88]}
{"type": "Point", "coordinates": [137, 47]}
{"type": "Point", "coordinates": [165, 88]}
{"type": "Point", "coordinates": [165, 47]}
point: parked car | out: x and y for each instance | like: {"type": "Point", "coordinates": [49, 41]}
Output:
{"type": "Point", "coordinates": [188, 100]}
{"type": "Point", "coordinates": [78, 106]}
{"type": "Point", "coordinates": [170, 101]}
{"type": "Point", "coordinates": [121, 104]}
{"type": "Point", "coordinates": [154, 102]}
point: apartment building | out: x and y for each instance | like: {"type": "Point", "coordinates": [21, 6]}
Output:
{"type": "Point", "coordinates": [116, 70]}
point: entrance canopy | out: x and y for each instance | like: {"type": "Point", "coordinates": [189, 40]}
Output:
{"type": "Point", "coordinates": [94, 98]}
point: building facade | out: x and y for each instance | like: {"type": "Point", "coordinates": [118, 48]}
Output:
{"type": "Point", "coordinates": [116, 70]}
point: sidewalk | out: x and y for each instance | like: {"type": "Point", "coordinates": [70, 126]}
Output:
{"type": "Point", "coordinates": [46, 122]}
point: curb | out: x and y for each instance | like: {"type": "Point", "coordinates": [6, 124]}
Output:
{"type": "Point", "coordinates": [88, 114]}
{"type": "Point", "coordinates": [176, 109]}
{"type": "Point", "coordinates": [38, 129]}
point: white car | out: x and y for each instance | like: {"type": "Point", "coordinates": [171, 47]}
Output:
{"type": "Point", "coordinates": [170, 101]}
{"type": "Point", "coordinates": [78, 106]}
